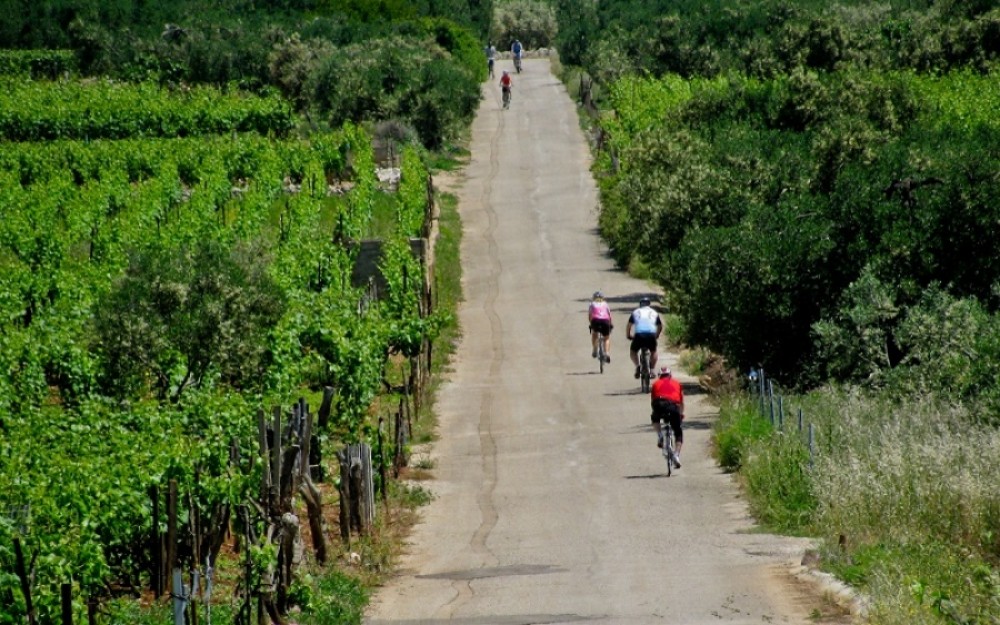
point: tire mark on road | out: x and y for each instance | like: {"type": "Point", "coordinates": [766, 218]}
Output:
{"type": "Point", "coordinates": [487, 442]}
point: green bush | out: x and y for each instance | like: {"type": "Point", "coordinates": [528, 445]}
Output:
{"type": "Point", "coordinates": [778, 481]}
{"type": "Point", "coordinates": [533, 22]}
{"type": "Point", "coordinates": [739, 425]}
{"type": "Point", "coordinates": [398, 78]}
{"type": "Point", "coordinates": [335, 597]}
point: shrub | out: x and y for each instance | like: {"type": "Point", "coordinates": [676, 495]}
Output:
{"type": "Point", "coordinates": [181, 317]}
{"type": "Point", "coordinates": [533, 22]}
{"type": "Point", "coordinates": [738, 426]}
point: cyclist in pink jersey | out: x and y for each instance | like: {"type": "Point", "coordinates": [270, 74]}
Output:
{"type": "Point", "coordinates": [599, 318]}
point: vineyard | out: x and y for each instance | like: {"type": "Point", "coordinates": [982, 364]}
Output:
{"type": "Point", "coordinates": [173, 265]}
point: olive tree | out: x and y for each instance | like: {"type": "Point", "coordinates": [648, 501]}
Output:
{"type": "Point", "coordinates": [533, 22]}
{"type": "Point", "coordinates": [181, 318]}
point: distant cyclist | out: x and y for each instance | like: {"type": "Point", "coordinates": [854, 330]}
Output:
{"type": "Point", "coordinates": [599, 317]}
{"type": "Point", "coordinates": [643, 329]}
{"type": "Point", "coordinates": [506, 84]}
{"type": "Point", "coordinates": [491, 56]}
{"type": "Point", "coordinates": [516, 50]}
{"type": "Point", "coordinates": [667, 401]}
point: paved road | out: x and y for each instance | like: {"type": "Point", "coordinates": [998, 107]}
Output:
{"type": "Point", "coordinates": [552, 504]}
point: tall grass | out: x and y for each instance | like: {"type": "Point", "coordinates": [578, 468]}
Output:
{"type": "Point", "coordinates": [905, 495]}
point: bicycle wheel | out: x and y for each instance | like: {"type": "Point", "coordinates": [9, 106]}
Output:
{"type": "Point", "coordinates": [644, 370]}
{"type": "Point", "coordinates": [668, 445]}
{"type": "Point", "coordinates": [600, 351]}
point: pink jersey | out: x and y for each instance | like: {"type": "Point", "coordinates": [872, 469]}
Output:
{"type": "Point", "coordinates": [599, 311]}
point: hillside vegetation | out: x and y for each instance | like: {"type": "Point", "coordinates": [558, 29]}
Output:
{"type": "Point", "coordinates": [815, 186]}
{"type": "Point", "coordinates": [183, 188]}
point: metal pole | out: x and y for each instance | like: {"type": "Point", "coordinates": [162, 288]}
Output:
{"type": "Point", "coordinates": [66, 592]}
{"type": "Point", "coordinates": [812, 444]}
{"type": "Point", "coordinates": [180, 596]}
{"type": "Point", "coordinates": [209, 578]}
{"type": "Point", "coordinates": [781, 413]}
{"type": "Point", "coordinates": [800, 419]}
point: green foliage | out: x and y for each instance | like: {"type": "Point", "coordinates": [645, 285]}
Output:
{"type": "Point", "coordinates": [38, 111]}
{"type": "Point", "coordinates": [334, 597]}
{"type": "Point", "coordinates": [180, 317]}
{"type": "Point", "coordinates": [765, 201]}
{"type": "Point", "coordinates": [459, 42]}
{"type": "Point", "coordinates": [858, 343]}
{"type": "Point", "coordinates": [84, 514]}
{"type": "Point", "coordinates": [399, 78]}
{"type": "Point", "coordinates": [145, 237]}
{"type": "Point", "coordinates": [902, 493]}
{"type": "Point", "coordinates": [777, 478]}
{"type": "Point", "coordinates": [674, 329]}
{"type": "Point", "coordinates": [293, 62]}
{"type": "Point", "coordinates": [412, 194]}
{"type": "Point", "coordinates": [37, 64]}
{"type": "Point", "coordinates": [739, 426]}
{"type": "Point", "coordinates": [533, 22]}
{"type": "Point", "coordinates": [773, 38]}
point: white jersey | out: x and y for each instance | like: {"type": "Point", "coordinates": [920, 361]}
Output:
{"type": "Point", "coordinates": [644, 320]}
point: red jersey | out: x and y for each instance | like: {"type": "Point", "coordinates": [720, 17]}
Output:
{"type": "Point", "coordinates": [667, 388]}
{"type": "Point", "coordinates": [505, 81]}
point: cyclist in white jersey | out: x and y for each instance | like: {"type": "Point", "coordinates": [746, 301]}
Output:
{"type": "Point", "coordinates": [643, 329]}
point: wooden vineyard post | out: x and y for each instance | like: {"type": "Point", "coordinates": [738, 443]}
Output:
{"type": "Point", "coordinates": [172, 534]}
{"type": "Point", "coordinates": [357, 521]}
{"type": "Point", "coordinates": [276, 468]}
{"type": "Point", "coordinates": [194, 525]}
{"type": "Point", "coordinates": [381, 461]}
{"type": "Point", "coordinates": [345, 499]}
{"type": "Point", "coordinates": [66, 603]}
{"type": "Point", "coordinates": [22, 574]}
{"type": "Point", "coordinates": [156, 545]}
{"type": "Point", "coordinates": [311, 494]}
{"type": "Point", "coordinates": [321, 425]}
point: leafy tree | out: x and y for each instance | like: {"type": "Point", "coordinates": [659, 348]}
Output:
{"type": "Point", "coordinates": [398, 78]}
{"type": "Point", "coordinates": [186, 317]}
{"type": "Point", "coordinates": [533, 22]}
{"type": "Point", "coordinates": [293, 62]}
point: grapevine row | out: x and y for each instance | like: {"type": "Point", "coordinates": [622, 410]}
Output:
{"type": "Point", "coordinates": [106, 109]}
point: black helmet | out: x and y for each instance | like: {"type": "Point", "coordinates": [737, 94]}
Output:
{"type": "Point", "coordinates": [644, 301]}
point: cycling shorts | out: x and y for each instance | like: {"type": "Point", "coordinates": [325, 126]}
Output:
{"type": "Point", "coordinates": [601, 326]}
{"type": "Point", "coordinates": [644, 340]}
{"type": "Point", "coordinates": [669, 412]}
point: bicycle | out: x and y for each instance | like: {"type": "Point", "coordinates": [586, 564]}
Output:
{"type": "Point", "coordinates": [667, 438]}
{"type": "Point", "coordinates": [602, 356]}
{"type": "Point", "coordinates": [644, 369]}
{"type": "Point", "coordinates": [506, 98]}
{"type": "Point", "coordinates": [517, 64]}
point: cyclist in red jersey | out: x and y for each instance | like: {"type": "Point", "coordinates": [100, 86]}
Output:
{"type": "Point", "coordinates": [505, 88]}
{"type": "Point", "coordinates": [667, 399]}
